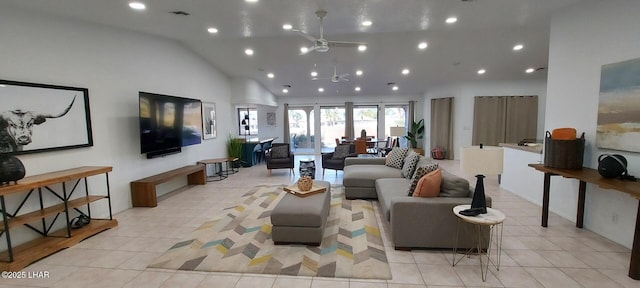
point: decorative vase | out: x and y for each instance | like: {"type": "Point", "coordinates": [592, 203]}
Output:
{"type": "Point", "coordinates": [305, 183]}
{"type": "Point", "coordinates": [11, 169]}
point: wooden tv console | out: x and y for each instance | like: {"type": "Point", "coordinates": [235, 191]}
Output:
{"type": "Point", "coordinates": [143, 191]}
{"type": "Point", "coordinates": [18, 257]}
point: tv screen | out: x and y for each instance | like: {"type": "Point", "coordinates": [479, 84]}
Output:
{"type": "Point", "coordinates": [168, 122]}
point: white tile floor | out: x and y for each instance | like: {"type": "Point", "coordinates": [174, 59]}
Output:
{"type": "Point", "coordinates": [558, 256]}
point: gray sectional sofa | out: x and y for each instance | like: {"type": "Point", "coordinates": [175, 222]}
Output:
{"type": "Point", "coordinates": [415, 222]}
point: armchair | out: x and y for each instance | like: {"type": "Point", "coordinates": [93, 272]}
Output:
{"type": "Point", "coordinates": [279, 156]}
{"type": "Point", "coordinates": [329, 162]}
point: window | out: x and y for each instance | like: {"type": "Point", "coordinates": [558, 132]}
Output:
{"type": "Point", "coordinates": [365, 118]}
{"type": "Point", "coordinates": [394, 116]}
{"type": "Point", "coordinates": [247, 121]}
{"type": "Point", "coordinates": [332, 122]}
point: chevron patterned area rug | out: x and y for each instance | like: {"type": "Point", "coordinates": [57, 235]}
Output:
{"type": "Point", "coordinates": [239, 240]}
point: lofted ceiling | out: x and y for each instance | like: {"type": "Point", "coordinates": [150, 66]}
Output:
{"type": "Point", "coordinates": [482, 38]}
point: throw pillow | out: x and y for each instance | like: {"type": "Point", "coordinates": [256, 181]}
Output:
{"type": "Point", "coordinates": [278, 152]}
{"type": "Point", "coordinates": [409, 165]}
{"type": "Point", "coordinates": [341, 152]}
{"type": "Point", "coordinates": [420, 171]}
{"type": "Point", "coordinates": [395, 159]}
{"type": "Point", "coordinates": [453, 186]}
{"type": "Point", "coordinates": [429, 185]}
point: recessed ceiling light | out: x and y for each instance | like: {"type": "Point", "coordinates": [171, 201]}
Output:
{"type": "Point", "coordinates": [314, 73]}
{"type": "Point", "coordinates": [394, 88]}
{"type": "Point", "coordinates": [251, 1]}
{"type": "Point", "coordinates": [357, 88]}
{"type": "Point", "coordinates": [320, 89]}
{"type": "Point", "coordinates": [304, 50]}
{"type": "Point", "coordinates": [248, 51]}
{"type": "Point", "coordinates": [481, 71]}
{"type": "Point", "coordinates": [367, 23]}
{"type": "Point", "coordinates": [270, 75]}
{"type": "Point", "coordinates": [405, 71]}
{"type": "Point", "coordinates": [451, 20]}
{"type": "Point", "coordinates": [529, 70]}
{"type": "Point", "coordinates": [359, 72]}
{"type": "Point", "coordinates": [518, 47]}
{"type": "Point", "coordinates": [2, 85]}
{"type": "Point", "coordinates": [362, 48]}
{"type": "Point", "coordinates": [137, 5]}
{"type": "Point", "coordinates": [285, 90]}
{"type": "Point", "coordinates": [287, 26]}
{"type": "Point", "coordinates": [423, 45]}
{"type": "Point", "coordinates": [212, 30]}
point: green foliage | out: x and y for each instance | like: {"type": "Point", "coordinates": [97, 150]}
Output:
{"type": "Point", "coordinates": [234, 146]}
{"type": "Point", "coordinates": [415, 133]}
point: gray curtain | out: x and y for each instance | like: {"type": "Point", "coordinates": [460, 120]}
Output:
{"type": "Point", "coordinates": [489, 120]}
{"type": "Point", "coordinates": [411, 113]}
{"type": "Point", "coordinates": [442, 125]}
{"type": "Point", "coordinates": [521, 118]}
{"type": "Point", "coordinates": [286, 133]}
{"type": "Point", "coordinates": [348, 125]}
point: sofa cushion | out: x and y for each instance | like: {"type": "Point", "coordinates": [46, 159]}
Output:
{"type": "Point", "coordinates": [388, 189]}
{"type": "Point", "coordinates": [363, 175]}
{"type": "Point", "coordinates": [429, 185]}
{"type": "Point", "coordinates": [341, 152]}
{"type": "Point", "coordinates": [420, 171]}
{"type": "Point", "coordinates": [453, 186]}
{"type": "Point", "coordinates": [279, 152]}
{"type": "Point", "coordinates": [409, 165]}
{"type": "Point", "coordinates": [395, 159]}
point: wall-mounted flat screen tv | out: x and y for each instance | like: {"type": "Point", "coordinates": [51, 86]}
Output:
{"type": "Point", "coordinates": [167, 123]}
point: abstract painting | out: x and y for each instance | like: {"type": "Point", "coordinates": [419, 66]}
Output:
{"type": "Point", "coordinates": [619, 106]}
{"type": "Point", "coordinates": [209, 120]}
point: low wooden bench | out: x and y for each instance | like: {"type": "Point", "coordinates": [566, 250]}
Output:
{"type": "Point", "coordinates": [143, 191]}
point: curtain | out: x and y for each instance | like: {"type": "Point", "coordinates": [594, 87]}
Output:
{"type": "Point", "coordinates": [411, 113]}
{"type": "Point", "coordinates": [521, 118]}
{"type": "Point", "coordinates": [442, 125]}
{"type": "Point", "coordinates": [489, 120]}
{"type": "Point", "coordinates": [286, 133]}
{"type": "Point", "coordinates": [348, 125]}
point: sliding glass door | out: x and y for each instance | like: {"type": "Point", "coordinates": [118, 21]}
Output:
{"type": "Point", "coordinates": [365, 118]}
{"type": "Point", "coordinates": [301, 129]}
{"type": "Point", "coordinates": [332, 123]}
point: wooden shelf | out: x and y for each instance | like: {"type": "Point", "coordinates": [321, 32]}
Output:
{"type": "Point", "coordinates": [37, 249]}
{"type": "Point", "coordinates": [35, 181]}
{"type": "Point", "coordinates": [51, 210]}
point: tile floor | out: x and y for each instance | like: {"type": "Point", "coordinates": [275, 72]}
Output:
{"type": "Point", "coordinates": [558, 256]}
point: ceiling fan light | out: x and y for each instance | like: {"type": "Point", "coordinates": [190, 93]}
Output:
{"type": "Point", "coordinates": [314, 74]}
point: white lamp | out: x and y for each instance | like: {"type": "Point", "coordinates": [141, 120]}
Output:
{"type": "Point", "coordinates": [480, 161]}
{"type": "Point", "coordinates": [397, 132]}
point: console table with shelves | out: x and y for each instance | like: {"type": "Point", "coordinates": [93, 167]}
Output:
{"type": "Point", "coordinates": [18, 257]}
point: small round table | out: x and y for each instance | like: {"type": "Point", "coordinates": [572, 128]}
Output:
{"type": "Point", "coordinates": [494, 220]}
{"type": "Point", "coordinates": [308, 168]}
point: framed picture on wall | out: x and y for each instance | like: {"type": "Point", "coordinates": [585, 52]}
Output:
{"type": "Point", "coordinates": [209, 125]}
{"type": "Point", "coordinates": [271, 118]}
{"type": "Point", "coordinates": [39, 117]}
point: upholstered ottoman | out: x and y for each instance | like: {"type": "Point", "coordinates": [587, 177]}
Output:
{"type": "Point", "coordinates": [301, 219]}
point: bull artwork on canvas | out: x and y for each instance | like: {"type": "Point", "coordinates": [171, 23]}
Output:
{"type": "Point", "coordinates": [16, 127]}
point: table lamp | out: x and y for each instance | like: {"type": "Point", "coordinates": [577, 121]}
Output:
{"type": "Point", "coordinates": [397, 132]}
{"type": "Point", "coordinates": [480, 161]}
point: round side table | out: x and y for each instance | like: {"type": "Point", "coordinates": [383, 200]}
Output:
{"type": "Point", "coordinates": [494, 220]}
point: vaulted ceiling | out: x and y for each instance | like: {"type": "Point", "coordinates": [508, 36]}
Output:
{"type": "Point", "coordinates": [483, 37]}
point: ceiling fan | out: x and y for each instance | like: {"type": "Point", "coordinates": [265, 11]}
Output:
{"type": "Point", "coordinates": [321, 44]}
{"type": "Point", "coordinates": [335, 78]}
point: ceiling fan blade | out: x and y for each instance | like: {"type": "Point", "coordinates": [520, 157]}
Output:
{"type": "Point", "coordinates": [345, 44]}
{"type": "Point", "coordinates": [305, 35]}
{"type": "Point", "coordinates": [310, 49]}
{"type": "Point", "coordinates": [319, 78]}
{"type": "Point", "coordinates": [343, 75]}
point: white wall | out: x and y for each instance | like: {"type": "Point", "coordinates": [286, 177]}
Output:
{"type": "Point", "coordinates": [114, 65]}
{"type": "Point", "coordinates": [583, 38]}
{"type": "Point", "coordinates": [464, 94]}
{"type": "Point", "coordinates": [248, 91]}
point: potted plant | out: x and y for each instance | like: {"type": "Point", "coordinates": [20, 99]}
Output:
{"type": "Point", "coordinates": [415, 133]}
{"type": "Point", "coordinates": [234, 147]}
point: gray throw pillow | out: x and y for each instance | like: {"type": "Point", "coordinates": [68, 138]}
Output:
{"type": "Point", "coordinates": [409, 165]}
{"type": "Point", "coordinates": [341, 152]}
{"type": "Point", "coordinates": [278, 152]}
{"type": "Point", "coordinates": [453, 186]}
{"type": "Point", "coordinates": [395, 159]}
{"type": "Point", "coordinates": [421, 171]}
